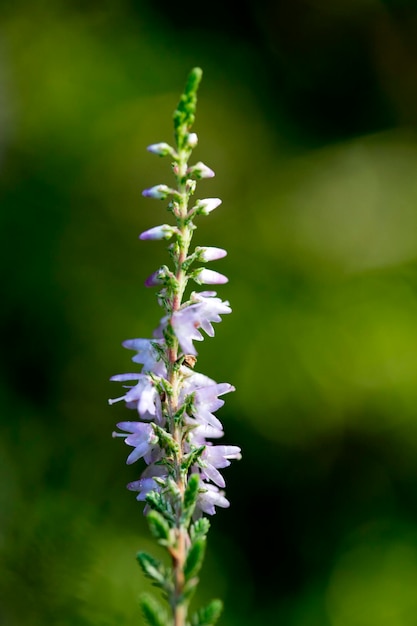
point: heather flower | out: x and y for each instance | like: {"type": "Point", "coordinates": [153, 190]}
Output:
{"type": "Point", "coordinates": [187, 321]}
{"type": "Point", "coordinates": [147, 354]}
{"type": "Point", "coordinates": [143, 396]}
{"type": "Point", "coordinates": [176, 405]}
{"type": "Point", "coordinates": [142, 438]}
{"type": "Point", "coordinates": [209, 497]}
{"type": "Point", "coordinates": [214, 457]}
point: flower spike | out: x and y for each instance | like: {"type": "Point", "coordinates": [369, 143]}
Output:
{"type": "Point", "coordinates": [181, 479]}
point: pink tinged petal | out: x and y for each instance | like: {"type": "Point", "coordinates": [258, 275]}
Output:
{"type": "Point", "coordinates": [165, 231]}
{"type": "Point", "coordinates": [195, 380]}
{"type": "Point", "coordinates": [209, 277]}
{"type": "Point", "coordinates": [130, 427]}
{"type": "Point", "coordinates": [159, 192]}
{"type": "Point", "coordinates": [207, 205]}
{"type": "Point", "coordinates": [123, 377]}
{"type": "Point", "coordinates": [147, 400]}
{"type": "Point", "coordinates": [200, 170]}
{"type": "Point", "coordinates": [219, 455]}
{"type": "Point", "coordinates": [207, 417]}
{"type": "Point", "coordinates": [211, 473]}
{"type": "Point", "coordinates": [204, 431]}
{"type": "Point", "coordinates": [184, 324]}
{"type": "Point", "coordinates": [210, 253]}
{"type": "Point", "coordinates": [139, 451]}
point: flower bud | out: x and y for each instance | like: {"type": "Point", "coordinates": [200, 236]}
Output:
{"type": "Point", "coordinates": [192, 140]}
{"type": "Point", "coordinates": [206, 206]}
{"type": "Point", "coordinates": [209, 277]}
{"type": "Point", "coordinates": [200, 170]}
{"type": "Point", "coordinates": [160, 192]}
{"type": "Point", "coordinates": [161, 149]}
{"type": "Point", "coordinates": [165, 231]}
{"type": "Point", "coordinates": [210, 253]}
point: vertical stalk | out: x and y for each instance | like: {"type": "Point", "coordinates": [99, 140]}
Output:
{"type": "Point", "coordinates": [179, 608]}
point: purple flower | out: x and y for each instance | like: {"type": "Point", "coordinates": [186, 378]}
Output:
{"type": "Point", "coordinates": [206, 401]}
{"type": "Point", "coordinates": [143, 396]}
{"type": "Point", "coordinates": [188, 320]}
{"type": "Point", "coordinates": [142, 438]}
{"type": "Point", "coordinates": [147, 355]}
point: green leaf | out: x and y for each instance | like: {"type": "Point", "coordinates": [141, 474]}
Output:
{"type": "Point", "coordinates": [153, 569]}
{"type": "Point", "coordinates": [208, 615]}
{"type": "Point", "coordinates": [195, 558]}
{"type": "Point", "coordinates": [190, 498]}
{"type": "Point", "coordinates": [159, 526]}
{"type": "Point", "coordinates": [153, 613]}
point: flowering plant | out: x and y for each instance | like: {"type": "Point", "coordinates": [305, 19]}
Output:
{"type": "Point", "coordinates": [181, 482]}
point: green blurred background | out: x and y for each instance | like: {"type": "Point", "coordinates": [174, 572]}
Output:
{"type": "Point", "coordinates": [307, 112]}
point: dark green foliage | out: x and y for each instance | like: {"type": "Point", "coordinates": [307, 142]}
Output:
{"type": "Point", "coordinates": [208, 615]}
{"type": "Point", "coordinates": [153, 612]}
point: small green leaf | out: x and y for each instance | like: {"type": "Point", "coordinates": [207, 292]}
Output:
{"type": "Point", "coordinates": [153, 612]}
{"type": "Point", "coordinates": [191, 492]}
{"type": "Point", "coordinates": [158, 525]}
{"type": "Point", "coordinates": [195, 558]}
{"type": "Point", "coordinates": [158, 503]}
{"type": "Point", "coordinates": [153, 569]}
{"type": "Point", "coordinates": [199, 528]}
{"type": "Point", "coordinates": [208, 615]}
{"type": "Point", "coordinates": [166, 440]}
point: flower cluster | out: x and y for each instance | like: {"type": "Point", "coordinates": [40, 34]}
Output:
{"type": "Point", "coordinates": [176, 423]}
